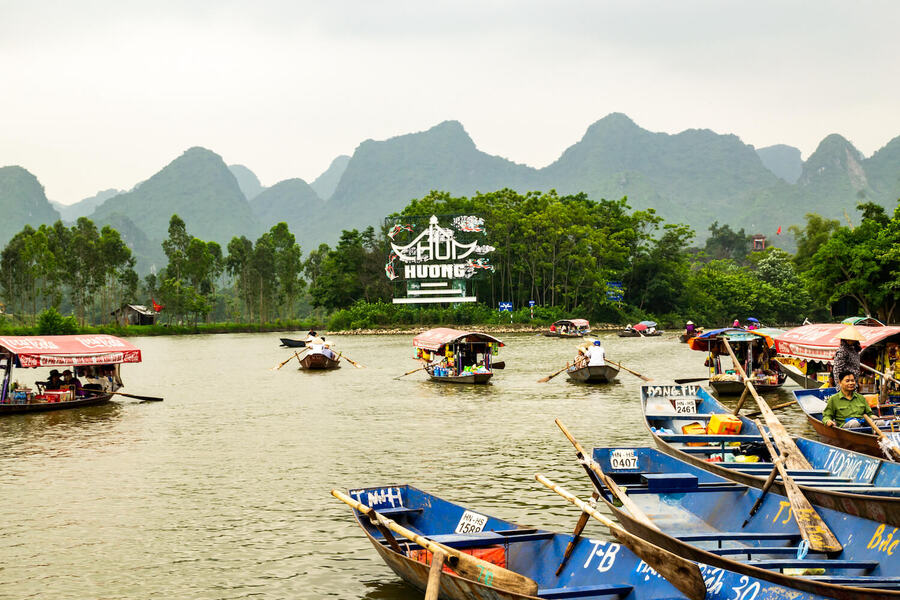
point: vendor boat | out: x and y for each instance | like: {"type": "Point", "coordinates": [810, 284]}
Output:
{"type": "Point", "coordinates": [707, 518]}
{"type": "Point", "coordinates": [454, 356]}
{"type": "Point", "coordinates": [95, 355]}
{"type": "Point", "coordinates": [838, 479]}
{"type": "Point", "coordinates": [858, 439]}
{"type": "Point", "coordinates": [569, 328]}
{"type": "Point", "coordinates": [754, 348]}
{"type": "Point", "coordinates": [595, 569]}
{"type": "Point", "coordinates": [642, 329]}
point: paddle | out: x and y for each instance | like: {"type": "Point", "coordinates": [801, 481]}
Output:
{"type": "Point", "coordinates": [624, 368]}
{"type": "Point", "coordinates": [886, 442]}
{"type": "Point", "coordinates": [549, 377]}
{"type": "Point", "coordinates": [691, 379]}
{"type": "Point", "coordinates": [290, 358]}
{"type": "Point", "coordinates": [812, 528]}
{"type": "Point", "coordinates": [765, 490]}
{"type": "Point", "coordinates": [465, 565]}
{"type": "Point", "coordinates": [499, 365]}
{"type": "Point", "coordinates": [433, 588]}
{"type": "Point", "coordinates": [351, 361]}
{"type": "Point", "coordinates": [145, 398]}
{"type": "Point", "coordinates": [576, 535]}
{"type": "Point", "coordinates": [682, 573]}
{"type": "Point", "coordinates": [413, 371]}
{"type": "Point", "coordinates": [757, 413]}
{"type": "Point", "coordinates": [599, 479]}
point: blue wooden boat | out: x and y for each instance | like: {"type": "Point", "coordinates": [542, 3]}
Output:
{"type": "Point", "coordinates": [699, 515]}
{"type": "Point", "coordinates": [859, 439]}
{"type": "Point", "coordinates": [840, 479]}
{"type": "Point", "coordinates": [596, 568]}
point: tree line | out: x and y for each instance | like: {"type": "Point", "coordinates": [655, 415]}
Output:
{"type": "Point", "coordinates": [596, 259]}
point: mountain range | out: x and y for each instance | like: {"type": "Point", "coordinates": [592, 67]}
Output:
{"type": "Point", "coordinates": [695, 177]}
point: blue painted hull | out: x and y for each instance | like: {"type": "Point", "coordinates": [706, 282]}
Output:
{"type": "Point", "coordinates": [859, 440]}
{"type": "Point", "coordinates": [842, 480]}
{"type": "Point", "coordinates": [700, 516]}
{"type": "Point", "coordinates": [596, 569]}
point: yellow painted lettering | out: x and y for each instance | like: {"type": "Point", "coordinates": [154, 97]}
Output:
{"type": "Point", "coordinates": [876, 539]}
{"type": "Point", "coordinates": [780, 508]}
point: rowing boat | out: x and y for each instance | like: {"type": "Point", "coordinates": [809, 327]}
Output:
{"type": "Point", "coordinates": [592, 374]}
{"type": "Point", "coordinates": [698, 515]}
{"type": "Point", "coordinates": [94, 358]}
{"type": "Point", "coordinates": [858, 439]}
{"type": "Point", "coordinates": [596, 569]}
{"type": "Point", "coordinates": [320, 361]}
{"type": "Point", "coordinates": [292, 343]}
{"type": "Point", "coordinates": [839, 479]}
{"type": "Point", "coordinates": [454, 356]}
{"type": "Point", "coordinates": [753, 348]}
{"type": "Point", "coordinates": [569, 328]}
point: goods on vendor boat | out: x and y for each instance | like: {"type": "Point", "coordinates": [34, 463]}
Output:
{"type": "Point", "coordinates": [807, 353]}
{"type": "Point", "coordinates": [454, 356]}
{"type": "Point", "coordinates": [755, 349]}
{"type": "Point", "coordinates": [642, 329]}
{"type": "Point", "coordinates": [569, 328]}
{"type": "Point", "coordinates": [858, 439]}
{"type": "Point", "coordinates": [707, 518]}
{"type": "Point", "coordinates": [93, 361]}
{"type": "Point", "coordinates": [595, 569]}
{"type": "Point", "coordinates": [690, 425]}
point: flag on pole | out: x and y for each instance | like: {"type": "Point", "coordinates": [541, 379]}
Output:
{"type": "Point", "coordinates": [156, 307]}
{"type": "Point", "coordinates": [779, 230]}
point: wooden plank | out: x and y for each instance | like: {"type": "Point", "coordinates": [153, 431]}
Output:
{"type": "Point", "coordinates": [793, 458]}
{"type": "Point", "coordinates": [434, 576]}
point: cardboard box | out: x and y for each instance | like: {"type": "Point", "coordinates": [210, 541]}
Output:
{"type": "Point", "coordinates": [724, 425]}
{"type": "Point", "coordinates": [694, 429]}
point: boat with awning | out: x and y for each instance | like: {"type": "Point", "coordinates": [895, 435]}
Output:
{"type": "Point", "coordinates": [755, 349]}
{"type": "Point", "coordinates": [569, 328]}
{"type": "Point", "coordinates": [455, 356]}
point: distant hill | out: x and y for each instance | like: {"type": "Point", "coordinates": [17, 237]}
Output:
{"type": "Point", "coordinates": [785, 161]}
{"type": "Point", "coordinates": [327, 182]}
{"type": "Point", "coordinates": [83, 208]}
{"type": "Point", "coordinates": [247, 181]}
{"type": "Point", "coordinates": [292, 201]}
{"type": "Point", "coordinates": [22, 202]}
{"type": "Point", "coordinates": [199, 188]}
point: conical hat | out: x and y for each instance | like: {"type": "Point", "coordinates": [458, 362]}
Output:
{"type": "Point", "coordinates": [850, 333]}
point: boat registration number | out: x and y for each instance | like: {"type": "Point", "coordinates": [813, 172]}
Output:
{"type": "Point", "coordinates": [471, 522]}
{"type": "Point", "coordinates": [623, 459]}
{"type": "Point", "coordinates": [685, 406]}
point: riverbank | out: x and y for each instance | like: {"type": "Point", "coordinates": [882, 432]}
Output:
{"type": "Point", "coordinates": [485, 328]}
{"type": "Point", "coordinates": [165, 329]}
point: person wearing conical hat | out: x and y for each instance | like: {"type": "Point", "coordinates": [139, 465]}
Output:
{"type": "Point", "coordinates": [846, 358]}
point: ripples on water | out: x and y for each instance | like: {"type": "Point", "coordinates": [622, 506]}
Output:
{"type": "Point", "coordinates": [222, 491]}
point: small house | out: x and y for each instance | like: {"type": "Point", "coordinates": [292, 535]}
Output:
{"type": "Point", "coordinates": [134, 314]}
{"type": "Point", "coordinates": [759, 242]}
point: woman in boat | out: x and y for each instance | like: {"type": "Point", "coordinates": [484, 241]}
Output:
{"type": "Point", "coordinates": [71, 382]}
{"type": "Point", "coordinates": [846, 357]}
{"type": "Point", "coordinates": [846, 408]}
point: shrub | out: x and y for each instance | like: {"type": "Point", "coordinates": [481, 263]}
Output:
{"type": "Point", "coordinates": [50, 322]}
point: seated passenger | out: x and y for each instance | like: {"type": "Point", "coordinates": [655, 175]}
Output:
{"type": "Point", "coordinates": [54, 382]}
{"type": "Point", "coordinates": [595, 354]}
{"type": "Point", "coordinates": [846, 408]}
{"type": "Point", "coordinates": [71, 382]}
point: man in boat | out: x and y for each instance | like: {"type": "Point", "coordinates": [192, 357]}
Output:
{"type": "Point", "coordinates": [689, 329]}
{"type": "Point", "coordinates": [593, 354]}
{"type": "Point", "coordinates": [846, 408]}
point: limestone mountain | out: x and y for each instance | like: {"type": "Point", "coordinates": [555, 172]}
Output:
{"type": "Point", "coordinates": [247, 181]}
{"type": "Point", "coordinates": [883, 171]}
{"type": "Point", "coordinates": [294, 202]}
{"type": "Point", "coordinates": [22, 202]}
{"type": "Point", "coordinates": [326, 183]}
{"type": "Point", "coordinates": [199, 188]}
{"type": "Point", "coordinates": [83, 208]}
{"type": "Point", "coordinates": [834, 177]}
{"type": "Point", "coordinates": [783, 160]}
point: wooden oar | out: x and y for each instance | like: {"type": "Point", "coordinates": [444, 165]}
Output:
{"type": "Point", "coordinates": [895, 452]}
{"type": "Point", "coordinates": [812, 528]}
{"type": "Point", "coordinates": [883, 375]}
{"type": "Point", "coordinates": [691, 379]}
{"type": "Point", "coordinates": [465, 565]}
{"type": "Point", "coordinates": [549, 377]}
{"type": "Point", "coordinates": [145, 398]}
{"type": "Point", "coordinates": [682, 573]}
{"type": "Point", "coordinates": [351, 361]}
{"type": "Point", "coordinates": [433, 588]}
{"type": "Point", "coordinates": [793, 458]}
{"type": "Point", "coordinates": [757, 413]}
{"type": "Point", "coordinates": [290, 358]}
{"type": "Point", "coordinates": [765, 490]}
{"type": "Point", "coordinates": [411, 372]}
{"type": "Point", "coordinates": [624, 368]}
{"type": "Point", "coordinates": [599, 479]}
{"type": "Point", "coordinates": [576, 535]}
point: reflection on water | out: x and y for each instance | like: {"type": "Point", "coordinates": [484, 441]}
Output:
{"type": "Point", "coordinates": [221, 491]}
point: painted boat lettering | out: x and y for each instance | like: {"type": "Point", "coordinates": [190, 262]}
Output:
{"type": "Point", "coordinates": [647, 571]}
{"type": "Point", "coordinates": [623, 459]}
{"type": "Point", "coordinates": [884, 543]}
{"type": "Point", "coordinates": [685, 406]}
{"type": "Point", "coordinates": [672, 390]}
{"type": "Point", "coordinates": [471, 522]}
{"type": "Point", "coordinates": [745, 591]}
{"type": "Point", "coordinates": [485, 576]}
{"type": "Point", "coordinates": [380, 498]}
{"type": "Point", "coordinates": [782, 505]}
{"type": "Point", "coordinates": [712, 578]}
{"type": "Point", "coordinates": [607, 552]}
{"type": "Point", "coordinates": [843, 464]}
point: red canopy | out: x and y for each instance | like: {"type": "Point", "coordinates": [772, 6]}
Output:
{"type": "Point", "coordinates": [820, 342]}
{"type": "Point", "coordinates": [69, 350]}
{"type": "Point", "coordinates": [639, 327]}
{"type": "Point", "coordinates": [576, 322]}
{"type": "Point", "coordinates": [433, 339]}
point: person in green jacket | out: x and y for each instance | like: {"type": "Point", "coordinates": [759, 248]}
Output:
{"type": "Point", "coordinates": [846, 408]}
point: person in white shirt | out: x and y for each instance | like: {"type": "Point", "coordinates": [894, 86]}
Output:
{"type": "Point", "coordinates": [595, 354]}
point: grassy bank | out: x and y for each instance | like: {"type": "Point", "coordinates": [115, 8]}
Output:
{"type": "Point", "coordinates": [164, 329]}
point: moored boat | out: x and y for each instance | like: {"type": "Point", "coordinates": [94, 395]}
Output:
{"type": "Point", "coordinates": [838, 479]}
{"type": "Point", "coordinates": [595, 569]}
{"type": "Point", "coordinates": [455, 356]}
{"type": "Point", "coordinates": [755, 349]}
{"type": "Point", "coordinates": [858, 439]}
{"type": "Point", "coordinates": [95, 358]}
{"type": "Point", "coordinates": [707, 518]}
{"type": "Point", "coordinates": [288, 342]}
{"type": "Point", "coordinates": [569, 328]}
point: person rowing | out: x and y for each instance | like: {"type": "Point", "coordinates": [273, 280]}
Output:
{"type": "Point", "coordinates": [847, 408]}
{"type": "Point", "coordinates": [592, 355]}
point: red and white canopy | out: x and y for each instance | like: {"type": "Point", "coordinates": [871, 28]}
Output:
{"type": "Point", "coordinates": [582, 323]}
{"type": "Point", "coordinates": [820, 341]}
{"type": "Point", "coordinates": [69, 350]}
{"type": "Point", "coordinates": [433, 339]}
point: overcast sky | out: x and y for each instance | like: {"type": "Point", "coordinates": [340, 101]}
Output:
{"type": "Point", "coordinates": [102, 94]}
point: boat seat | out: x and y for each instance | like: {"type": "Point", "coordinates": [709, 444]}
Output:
{"type": "Point", "coordinates": [724, 486]}
{"type": "Point", "coordinates": [859, 581]}
{"type": "Point", "coordinates": [815, 563]}
{"type": "Point", "coordinates": [669, 482]}
{"type": "Point", "coordinates": [679, 416]}
{"type": "Point", "coordinates": [736, 536]}
{"type": "Point", "coordinates": [685, 437]}
{"type": "Point", "coordinates": [586, 591]}
{"type": "Point", "coordinates": [400, 511]}
{"type": "Point", "coordinates": [485, 538]}
{"type": "Point", "coordinates": [788, 550]}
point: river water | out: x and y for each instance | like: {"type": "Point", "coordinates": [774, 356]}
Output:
{"type": "Point", "coordinates": [222, 490]}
